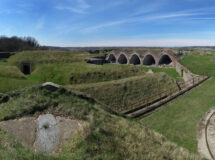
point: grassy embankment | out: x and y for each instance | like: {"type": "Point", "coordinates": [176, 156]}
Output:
{"type": "Point", "coordinates": [128, 93]}
{"type": "Point", "coordinates": [106, 137]}
{"type": "Point", "coordinates": [178, 120]}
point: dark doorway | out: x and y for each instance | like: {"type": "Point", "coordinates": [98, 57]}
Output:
{"type": "Point", "coordinates": [182, 73]}
{"type": "Point", "coordinates": [149, 60]}
{"type": "Point", "coordinates": [122, 59]}
{"type": "Point", "coordinates": [112, 59]}
{"type": "Point", "coordinates": [165, 59]}
{"type": "Point", "coordinates": [135, 60]}
{"type": "Point", "coordinates": [26, 68]}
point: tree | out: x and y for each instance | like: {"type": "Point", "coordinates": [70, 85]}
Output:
{"type": "Point", "coordinates": [12, 44]}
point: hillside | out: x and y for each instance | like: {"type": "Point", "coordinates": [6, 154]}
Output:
{"type": "Point", "coordinates": [106, 137]}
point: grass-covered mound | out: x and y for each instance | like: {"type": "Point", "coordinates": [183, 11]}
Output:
{"type": "Point", "coordinates": [11, 72]}
{"type": "Point", "coordinates": [129, 93]}
{"type": "Point", "coordinates": [47, 57]}
{"type": "Point", "coordinates": [107, 136]}
{"type": "Point", "coordinates": [82, 72]}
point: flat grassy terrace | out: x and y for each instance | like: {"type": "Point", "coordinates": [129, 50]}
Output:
{"type": "Point", "coordinates": [170, 71]}
{"type": "Point", "coordinates": [178, 120]}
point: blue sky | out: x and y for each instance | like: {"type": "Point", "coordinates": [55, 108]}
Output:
{"type": "Point", "coordinates": [110, 22]}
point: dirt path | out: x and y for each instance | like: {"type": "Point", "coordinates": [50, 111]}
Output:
{"type": "Point", "coordinates": [206, 135]}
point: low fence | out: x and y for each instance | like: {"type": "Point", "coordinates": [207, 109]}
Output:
{"type": "Point", "coordinates": [148, 100]}
{"type": "Point", "coordinates": [188, 85]}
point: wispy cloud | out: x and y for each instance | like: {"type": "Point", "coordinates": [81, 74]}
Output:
{"type": "Point", "coordinates": [150, 43]}
{"type": "Point", "coordinates": [81, 7]}
{"type": "Point", "coordinates": [141, 20]}
{"type": "Point", "coordinates": [9, 11]}
{"type": "Point", "coordinates": [40, 23]}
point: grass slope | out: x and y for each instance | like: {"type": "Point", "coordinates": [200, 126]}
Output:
{"type": "Point", "coordinates": [106, 137]}
{"type": "Point", "coordinates": [200, 64]}
{"type": "Point", "coordinates": [129, 93]}
{"type": "Point", "coordinates": [178, 120]}
{"type": "Point", "coordinates": [170, 71]}
{"type": "Point", "coordinates": [81, 72]}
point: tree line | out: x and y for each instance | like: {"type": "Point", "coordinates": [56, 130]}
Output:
{"type": "Point", "coordinates": [13, 44]}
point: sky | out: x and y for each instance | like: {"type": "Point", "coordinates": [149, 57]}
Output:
{"type": "Point", "coordinates": [82, 23]}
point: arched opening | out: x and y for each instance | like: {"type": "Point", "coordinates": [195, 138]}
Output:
{"type": "Point", "coordinates": [26, 68]}
{"type": "Point", "coordinates": [135, 60]}
{"type": "Point", "coordinates": [165, 59]}
{"type": "Point", "coordinates": [122, 59]}
{"type": "Point", "coordinates": [111, 58]}
{"type": "Point", "coordinates": [149, 60]}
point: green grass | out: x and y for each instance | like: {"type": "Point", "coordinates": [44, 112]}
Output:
{"type": "Point", "coordinates": [11, 84]}
{"type": "Point", "coordinates": [59, 67]}
{"type": "Point", "coordinates": [178, 120]}
{"type": "Point", "coordinates": [200, 64]}
{"type": "Point", "coordinates": [170, 71]}
{"type": "Point", "coordinates": [81, 72]}
{"type": "Point", "coordinates": [106, 137]}
{"type": "Point", "coordinates": [129, 93]}
{"type": "Point", "coordinates": [11, 72]}
{"type": "Point", "coordinates": [46, 57]}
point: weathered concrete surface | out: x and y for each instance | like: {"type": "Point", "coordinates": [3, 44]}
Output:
{"type": "Point", "coordinates": [24, 130]}
{"type": "Point", "coordinates": [50, 86]}
{"type": "Point", "coordinates": [67, 129]}
{"type": "Point", "coordinates": [206, 135]}
{"type": "Point", "coordinates": [45, 133]}
{"type": "Point", "coordinates": [150, 72]}
{"type": "Point", "coordinates": [184, 73]}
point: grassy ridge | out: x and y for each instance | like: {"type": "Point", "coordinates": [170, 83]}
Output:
{"type": "Point", "coordinates": [106, 137]}
{"type": "Point", "coordinates": [46, 57]}
{"type": "Point", "coordinates": [125, 94]}
{"type": "Point", "coordinates": [81, 72]}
